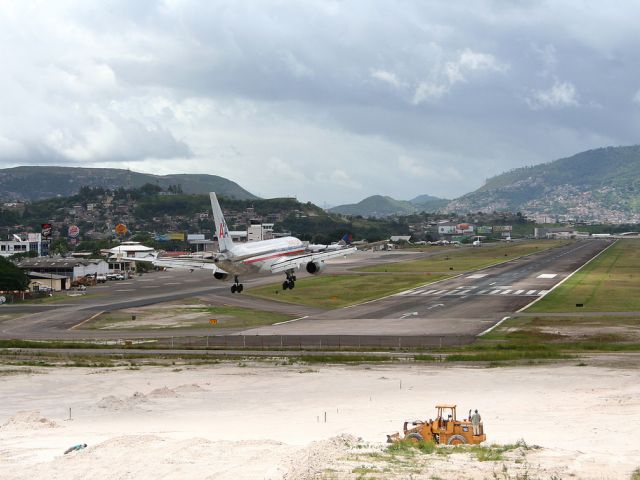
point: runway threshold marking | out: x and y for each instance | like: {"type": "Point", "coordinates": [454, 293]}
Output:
{"type": "Point", "coordinates": [548, 275]}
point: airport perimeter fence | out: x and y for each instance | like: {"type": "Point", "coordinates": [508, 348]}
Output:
{"type": "Point", "coordinates": [310, 342]}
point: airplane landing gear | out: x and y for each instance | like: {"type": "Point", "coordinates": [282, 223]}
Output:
{"type": "Point", "coordinates": [237, 286]}
{"type": "Point", "coordinates": [290, 282]}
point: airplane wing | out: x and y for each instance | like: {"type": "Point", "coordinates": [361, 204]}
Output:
{"type": "Point", "coordinates": [292, 263]}
{"type": "Point", "coordinates": [178, 263]}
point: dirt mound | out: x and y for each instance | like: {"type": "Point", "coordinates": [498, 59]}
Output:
{"type": "Point", "coordinates": [163, 392]}
{"type": "Point", "coordinates": [311, 462]}
{"type": "Point", "coordinates": [111, 402]}
{"type": "Point", "coordinates": [28, 420]}
{"type": "Point", "coordinates": [189, 388]}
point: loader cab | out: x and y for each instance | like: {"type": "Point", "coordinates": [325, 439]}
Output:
{"type": "Point", "coordinates": [446, 417]}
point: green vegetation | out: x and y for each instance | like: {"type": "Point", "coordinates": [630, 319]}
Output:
{"type": "Point", "coordinates": [11, 277]}
{"type": "Point", "coordinates": [380, 206]}
{"type": "Point", "coordinates": [337, 358]}
{"type": "Point", "coordinates": [333, 291]}
{"type": "Point", "coordinates": [172, 317]}
{"type": "Point", "coordinates": [635, 475]}
{"type": "Point", "coordinates": [468, 258]}
{"type": "Point", "coordinates": [607, 284]}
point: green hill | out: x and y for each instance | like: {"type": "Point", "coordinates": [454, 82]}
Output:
{"type": "Point", "coordinates": [41, 182]}
{"type": "Point", "coordinates": [383, 206]}
{"type": "Point", "coordinates": [601, 184]}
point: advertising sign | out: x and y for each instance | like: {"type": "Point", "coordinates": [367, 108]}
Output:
{"type": "Point", "coordinates": [46, 230]}
{"type": "Point", "coordinates": [484, 230]}
{"type": "Point", "coordinates": [121, 229]}
{"type": "Point", "coordinates": [446, 229]}
{"type": "Point", "coordinates": [464, 228]}
{"type": "Point", "coordinates": [501, 228]}
{"type": "Point", "coordinates": [167, 237]}
{"type": "Point", "coordinates": [195, 236]}
{"type": "Point", "coordinates": [74, 231]}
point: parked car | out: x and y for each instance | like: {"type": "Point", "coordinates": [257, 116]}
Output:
{"type": "Point", "coordinates": [100, 278]}
{"type": "Point", "coordinates": [115, 276]}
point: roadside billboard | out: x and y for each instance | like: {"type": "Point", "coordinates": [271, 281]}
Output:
{"type": "Point", "coordinates": [45, 230]}
{"type": "Point", "coordinates": [167, 237]}
{"type": "Point", "coordinates": [502, 228]}
{"type": "Point", "coordinates": [484, 230]}
{"type": "Point", "coordinates": [446, 229]}
{"type": "Point", "coordinates": [73, 231]}
{"type": "Point", "coordinates": [464, 228]}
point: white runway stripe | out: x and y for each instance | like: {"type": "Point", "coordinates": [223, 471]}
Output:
{"type": "Point", "coordinates": [531, 292]}
{"type": "Point", "coordinates": [493, 292]}
{"type": "Point", "coordinates": [482, 291]}
{"type": "Point", "coordinates": [543, 292]}
{"type": "Point", "coordinates": [518, 292]}
{"type": "Point", "coordinates": [505, 292]}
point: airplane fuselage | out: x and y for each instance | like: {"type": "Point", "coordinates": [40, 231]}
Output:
{"type": "Point", "coordinates": [262, 254]}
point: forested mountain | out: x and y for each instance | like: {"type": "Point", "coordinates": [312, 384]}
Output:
{"type": "Point", "coordinates": [383, 206]}
{"type": "Point", "coordinates": [601, 184]}
{"type": "Point", "coordinates": [38, 183]}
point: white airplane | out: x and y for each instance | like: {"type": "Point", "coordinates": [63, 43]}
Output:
{"type": "Point", "coordinates": [319, 247]}
{"type": "Point", "coordinates": [278, 255]}
{"type": "Point", "coordinates": [477, 242]}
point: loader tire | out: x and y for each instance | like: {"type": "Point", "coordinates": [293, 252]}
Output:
{"type": "Point", "coordinates": [415, 436]}
{"type": "Point", "coordinates": [457, 440]}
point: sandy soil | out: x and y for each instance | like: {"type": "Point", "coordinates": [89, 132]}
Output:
{"type": "Point", "coordinates": [266, 421]}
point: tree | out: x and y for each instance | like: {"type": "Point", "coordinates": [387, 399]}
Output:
{"type": "Point", "coordinates": [11, 277]}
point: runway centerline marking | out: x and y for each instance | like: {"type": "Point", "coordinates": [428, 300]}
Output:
{"type": "Point", "coordinates": [478, 275]}
{"type": "Point", "coordinates": [547, 275]}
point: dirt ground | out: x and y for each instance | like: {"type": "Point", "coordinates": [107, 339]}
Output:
{"type": "Point", "coordinates": [267, 421]}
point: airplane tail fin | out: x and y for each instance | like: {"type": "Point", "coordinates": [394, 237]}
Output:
{"type": "Point", "coordinates": [222, 232]}
{"type": "Point", "coordinates": [346, 239]}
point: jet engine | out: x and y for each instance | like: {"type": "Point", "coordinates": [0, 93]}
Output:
{"type": "Point", "coordinates": [315, 267]}
{"type": "Point", "coordinates": [220, 276]}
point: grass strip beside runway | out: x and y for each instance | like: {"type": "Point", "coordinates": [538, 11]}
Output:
{"type": "Point", "coordinates": [468, 258]}
{"type": "Point", "coordinates": [334, 291]}
{"type": "Point", "coordinates": [610, 283]}
{"type": "Point", "coordinates": [534, 337]}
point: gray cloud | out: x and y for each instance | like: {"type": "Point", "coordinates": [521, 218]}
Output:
{"type": "Point", "coordinates": [330, 101]}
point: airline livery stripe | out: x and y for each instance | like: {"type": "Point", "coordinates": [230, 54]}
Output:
{"type": "Point", "coordinates": [275, 255]}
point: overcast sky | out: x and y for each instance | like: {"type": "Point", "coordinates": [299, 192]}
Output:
{"type": "Point", "coordinates": [330, 101]}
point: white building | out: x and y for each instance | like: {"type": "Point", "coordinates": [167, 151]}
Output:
{"type": "Point", "coordinates": [117, 254]}
{"type": "Point", "coordinates": [31, 242]}
{"type": "Point", "coordinates": [257, 232]}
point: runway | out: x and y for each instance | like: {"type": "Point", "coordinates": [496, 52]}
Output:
{"type": "Point", "coordinates": [448, 312]}
{"type": "Point", "coordinates": [465, 305]}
